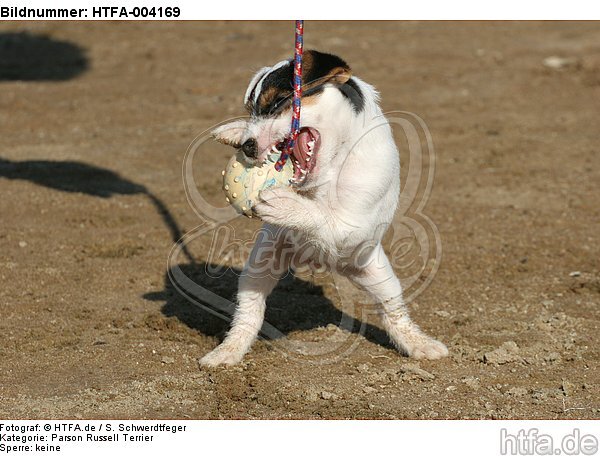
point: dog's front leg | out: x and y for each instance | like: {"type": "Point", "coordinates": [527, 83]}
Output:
{"type": "Point", "coordinates": [259, 277]}
{"type": "Point", "coordinates": [282, 206]}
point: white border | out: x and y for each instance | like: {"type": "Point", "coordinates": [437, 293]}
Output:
{"type": "Point", "coordinates": [302, 438]}
{"type": "Point", "coordinates": [371, 10]}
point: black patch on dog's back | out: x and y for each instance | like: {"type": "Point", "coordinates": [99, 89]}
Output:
{"type": "Point", "coordinates": [354, 95]}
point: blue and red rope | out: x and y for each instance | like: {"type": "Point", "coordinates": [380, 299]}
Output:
{"type": "Point", "coordinates": [296, 101]}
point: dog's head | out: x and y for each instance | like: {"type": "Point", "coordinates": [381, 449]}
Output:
{"type": "Point", "coordinates": [330, 98]}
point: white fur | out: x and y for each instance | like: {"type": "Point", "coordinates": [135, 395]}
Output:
{"type": "Point", "coordinates": [353, 195]}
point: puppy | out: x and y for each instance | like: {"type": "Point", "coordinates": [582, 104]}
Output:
{"type": "Point", "coordinates": [345, 191]}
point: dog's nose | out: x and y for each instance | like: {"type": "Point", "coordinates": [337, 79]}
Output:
{"type": "Point", "coordinates": [250, 148]}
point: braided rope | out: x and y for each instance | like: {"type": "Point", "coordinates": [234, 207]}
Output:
{"type": "Point", "coordinates": [296, 102]}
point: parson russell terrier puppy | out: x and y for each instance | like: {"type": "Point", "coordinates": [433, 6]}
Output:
{"type": "Point", "coordinates": [345, 192]}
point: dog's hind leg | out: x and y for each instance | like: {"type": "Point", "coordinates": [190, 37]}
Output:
{"type": "Point", "coordinates": [260, 275]}
{"type": "Point", "coordinates": [380, 281]}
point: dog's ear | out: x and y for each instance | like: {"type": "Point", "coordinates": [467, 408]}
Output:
{"type": "Point", "coordinates": [319, 68]}
{"type": "Point", "coordinates": [231, 133]}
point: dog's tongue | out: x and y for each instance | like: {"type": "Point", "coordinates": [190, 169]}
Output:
{"type": "Point", "coordinates": [301, 146]}
{"type": "Point", "coordinates": [304, 151]}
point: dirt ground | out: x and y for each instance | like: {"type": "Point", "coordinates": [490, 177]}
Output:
{"type": "Point", "coordinates": [92, 139]}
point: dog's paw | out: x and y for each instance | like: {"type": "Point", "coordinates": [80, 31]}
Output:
{"type": "Point", "coordinates": [222, 355]}
{"type": "Point", "coordinates": [426, 347]}
{"type": "Point", "coordinates": [274, 205]}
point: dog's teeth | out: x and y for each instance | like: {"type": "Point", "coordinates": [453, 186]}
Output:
{"type": "Point", "coordinates": [303, 171]}
{"type": "Point", "coordinates": [310, 152]}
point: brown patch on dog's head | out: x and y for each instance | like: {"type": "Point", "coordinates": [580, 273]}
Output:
{"type": "Point", "coordinates": [272, 98]}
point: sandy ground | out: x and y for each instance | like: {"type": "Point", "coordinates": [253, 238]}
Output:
{"type": "Point", "coordinates": [91, 148]}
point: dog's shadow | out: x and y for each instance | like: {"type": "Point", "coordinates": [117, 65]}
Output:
{"type": "Point", "coordinates": [78, 177]}
{"type": "Point", "coordinates": [294, 305]}
{"type": "Point", "coordinates": [70, 177]}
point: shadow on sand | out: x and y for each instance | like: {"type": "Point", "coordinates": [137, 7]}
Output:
{"type": "Point", "coordinates": [28, 57]}
{"type": "Point", "coordinates": [294, 305]}
{"type": "Point", "coordinates": [76, 177]}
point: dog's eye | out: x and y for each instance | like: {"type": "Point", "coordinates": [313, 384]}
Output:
{"type": "Point", "coordinates": [277, 104]}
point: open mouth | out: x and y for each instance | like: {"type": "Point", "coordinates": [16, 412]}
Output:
{"type": "Point", "coordinates": [304, 153]}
